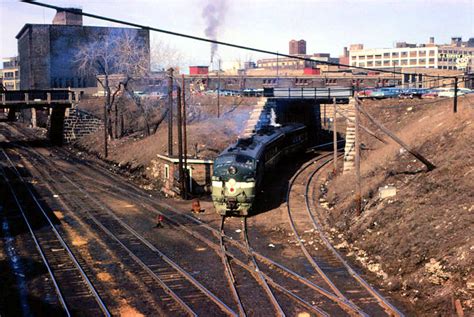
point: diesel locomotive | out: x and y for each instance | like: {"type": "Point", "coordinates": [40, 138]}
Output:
{"type": "Point", "coordinates": [239, 169]}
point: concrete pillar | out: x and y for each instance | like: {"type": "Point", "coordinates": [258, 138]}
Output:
{"type": "Point", "coordinates": [56, 125]}
{"type": "Point", "coordinates": [11, 114]}
{"type": "Point", "coordinates": [33, 118]}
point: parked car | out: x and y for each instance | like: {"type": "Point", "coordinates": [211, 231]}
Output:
{"type": "Point", "coordinates": [366, 93]}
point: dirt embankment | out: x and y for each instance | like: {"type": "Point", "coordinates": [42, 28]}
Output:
{"type": "Point", "coordinates": [207, 135]}
{"type": "Point", "coordinates": [419, 242]}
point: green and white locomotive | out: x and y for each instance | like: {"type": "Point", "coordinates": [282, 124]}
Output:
{"type": "Point", "coordinates": [239, 169]}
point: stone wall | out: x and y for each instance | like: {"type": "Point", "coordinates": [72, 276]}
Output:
{"type": "Point", "coordinates": [80, 123]}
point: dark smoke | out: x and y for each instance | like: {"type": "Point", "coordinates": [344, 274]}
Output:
{"type": "Point", "coordinates": [214, 14]}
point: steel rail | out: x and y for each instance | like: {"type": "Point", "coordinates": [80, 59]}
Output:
{"type": "Point", "coordinates": [308, 256]}
{"type": "Point", "coordinates": [295, 276]}
{"type": "Point", "coordinates": [228, 270]}
{"type": "Point", "coordinates": [292, 274]}
{"type": "Point", "coordinates": [185, 274]}
{"type": "Point", "coordinates": [388, 307]}
{"type": "Point", "coordinates": [38, 246]}
{"type": "Point", "coordinates": [91, 287]}
{"type": "Point", "coordinates": [130, 252]}
{"type": "Point", "coordinates": [318, 311]}
{"type": "Point", "coordinates": [259, 274]}
{"type": "Point", "coordinates": [209, 294]}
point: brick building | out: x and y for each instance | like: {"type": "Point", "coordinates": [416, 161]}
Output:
{"type": "Point", "coordinates": [47, 51]}
{"type": "Point", "coordinates": [297, 47]}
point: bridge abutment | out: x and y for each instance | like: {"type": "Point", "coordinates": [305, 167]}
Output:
{"type": "Point", "coordinates": [56, 125]}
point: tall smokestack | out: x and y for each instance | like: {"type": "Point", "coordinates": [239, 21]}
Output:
{"type": "Point", "coordinates": [214, 14]}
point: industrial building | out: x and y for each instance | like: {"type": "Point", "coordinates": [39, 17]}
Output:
{"type": "Point", "coordinates": [297, 47]}
{"type": "Point", "coordinates": [47, 52]}
{"type": "Point", "coordinates": [11, 73]}
{"type": "Point", "coordinates": [457, 55]}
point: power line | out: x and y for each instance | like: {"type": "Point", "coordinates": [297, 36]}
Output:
{"type": "Point", "coordinates": [197, 38]}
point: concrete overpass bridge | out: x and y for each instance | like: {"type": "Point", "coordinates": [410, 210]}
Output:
{"type": "Point", "coordinates": [57, 101]}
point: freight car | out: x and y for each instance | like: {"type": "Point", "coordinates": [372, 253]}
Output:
{"type": "Point", "coordinates": [239, 170]}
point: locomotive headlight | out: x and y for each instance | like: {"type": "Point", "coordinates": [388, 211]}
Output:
{"type": "Point", "coordinates": [232, 170]}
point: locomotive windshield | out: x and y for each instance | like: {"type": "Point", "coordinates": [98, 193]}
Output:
{"type": "Point", "coordinates": [238, 160]}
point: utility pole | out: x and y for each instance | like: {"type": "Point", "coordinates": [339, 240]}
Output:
{"type": "Point", "coordinates": [334, 137]}
{"type": "Point", "coordinates": [277, 65]}
{"type": "Point", "coordinates": [218, 87]}
{"type": "Point", "coordinates": [455, 101]}
{"type": "Point", "coordinates": [185, 140]}
{"type": "Point", "coordinates": [106, 119]}
{"type": "Point", "coordinates": [358, 195]}
{"type": "Point", "coordinates": [180, 142]}
{"type": "Point", "coordinates": [170, 112]}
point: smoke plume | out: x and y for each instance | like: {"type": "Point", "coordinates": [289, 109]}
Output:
{"type": "Point", "coordinates": [214, 14]}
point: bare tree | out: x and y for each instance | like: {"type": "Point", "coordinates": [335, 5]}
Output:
{"type": "Point", "coordinates": [164, 56]}
{"type": "Point", "coordinates": [121, 53]}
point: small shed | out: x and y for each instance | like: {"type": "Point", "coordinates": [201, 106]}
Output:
{"type": "Point", "coordinates": [200, 172]}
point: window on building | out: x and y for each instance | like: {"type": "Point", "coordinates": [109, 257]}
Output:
{"type": "Point", "coordinates": [362, 64]}
{"type": "Point", "coordinates": [432, 53]}
{"type": "Point", "coordinates": [412, 53]}
{"type": "Point", "coordinates": [353, 57]}
{"type": "Point", "coordinates": [404, 62]}
{"type": "Point", "coordinates": [378, 56]}
{"type": "Point", "coordinates": [421, 53]}
{"type": "Point", "coordinates": [394, 63]}
{"type": "Point", "coordinates": [362, 57]}
{"type": "Point", "coordinates": [370, 63]}
{"type": "Point", "coordinates": [386, 55]}
{"type": "Point", "coordinates": [386, 63]}
{"type": "Point", "coordinates": [395, 55]}
{"type": "Point", "coordinates": [413, 61]}
{"type": "Point", "coordinates": [378, 63]}
{"type": "Point", "coordinates": [354, 64]}
{"type": "Point", "coordinates": [422, 61]}
{"type": "Point", "coordinates": [431, 61]}
{"type": "Point", "coordinates": [404, 54]}
{"type": "Point", "coordinates": [166, 174]}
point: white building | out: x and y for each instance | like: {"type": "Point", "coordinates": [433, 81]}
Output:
{"type": "Point", "coordinates": [455, 56]}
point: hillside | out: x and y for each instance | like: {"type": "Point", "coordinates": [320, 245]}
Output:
{"type": "Point", "coordinates": [420, 241]}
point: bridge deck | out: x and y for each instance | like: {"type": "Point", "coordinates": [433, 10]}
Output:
{"type": "Point", "coordinates": [31, 98]}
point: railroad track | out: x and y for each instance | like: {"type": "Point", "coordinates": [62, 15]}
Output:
{"type": "Point", "coordinates": [182, 221]}
{"type": "Point", "coordinates": [74, 289]}
{"type": "Point", "coordinates": [148, 203]}
{"type": "Point", "coordinates": [179, 286]}
{"type": "Point", "coordinates": [250, 268]}
{"type": "Point", "coordinates": [341, 278]}
{"type": "Point", "coordinates": [254, 271]}
{"type": "Point", "coordinates": [306, 304]}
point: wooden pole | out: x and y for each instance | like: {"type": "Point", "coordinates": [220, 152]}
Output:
{"type": "Point", "coordinates": [455, 101]}
{"type": "Point", "coordinates": [363, 127]}
{"type": "Point", "coordinates": [334, 136]}
{"type": "Point", "coordinates": [180, 142]}
{"type": "Point", "coordinates": [185, 140]}
{"type": "Point", "coordinates": [218, 88]}
{"type": "Point", "coordinates": [428, 164]}
{"type": "Point", "coordinates": [170, 112]}
{"type": "Point", "coordinates": [358, 195]}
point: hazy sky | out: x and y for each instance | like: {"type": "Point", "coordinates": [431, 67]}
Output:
{"type": "Point", "coordinates": [327, 26]}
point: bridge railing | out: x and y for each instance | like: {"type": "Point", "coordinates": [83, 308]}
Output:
{"type": "Point", "coordinates": [27, 97]}
{"type": "Point", "coordinates": [309, 93]}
